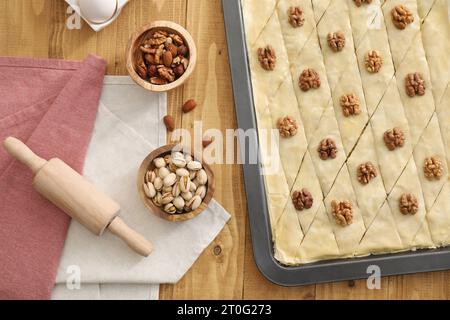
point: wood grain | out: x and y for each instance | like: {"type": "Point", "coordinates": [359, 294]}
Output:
{"type": "Point", "coordinates": [226, 269]}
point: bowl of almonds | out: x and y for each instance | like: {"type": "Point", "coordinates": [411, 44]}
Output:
{"type": "Point", "coordinates": [161, 56]}
{"type": "Point", "coordinates": [175, 185]}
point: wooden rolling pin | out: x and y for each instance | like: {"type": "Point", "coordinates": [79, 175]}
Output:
{"type": "Point", "coordinates": [77, 197]}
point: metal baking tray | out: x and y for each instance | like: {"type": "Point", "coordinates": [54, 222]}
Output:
{"type": "Point", "coordinates": [319, 272]}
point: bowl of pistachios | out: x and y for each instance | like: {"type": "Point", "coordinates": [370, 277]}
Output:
{"type": "Point", "coordinates": [175, 184]}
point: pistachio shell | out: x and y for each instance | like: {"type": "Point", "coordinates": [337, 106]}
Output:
{"type": "Point", "coordinates": [179, 203]}
{"type": "Point", "coordinates": [202, 178]}
{"type": "Point", "coordinates": [150, 176]}
{"type": "Point", "coordinates": [149, 190]}
{"type": "Point", "coordinates": [163, 172]}
{"type": "Point", "coordinates": [201, 191]}
{"type": "Point", "coordinates": [170, 180]}
{"type": "Point", "coordinates": [170, 208]}
{"type": "Point", "coordinates": [188, 158]}
{"type": "Point", "coordinates": [194, 165]}
{"type": "Point", "coordinates": [194, 203]}
{"type": "Point", "coordinates": [166, 198]}
{"type": "Point", "coordinates": [159, 162]}
{"type": "Point", "coordinates": [179, 162]}
{"type": "Point", "coordinates": [181, 172]}
{"type": "Point", "coordinates": [192, 175]}
{"type": "Point", "coordinates": [157, 199]}
{"type": "Point", "coordinates": [176, 189]}
{"type": "Point", "coordinates": [167, 189]}
{"type": "Point", "coordinates": [193, 187]}
{"type": "Point", "coordinates": [185, 184]}
{"type": "Point", "coordinates": [187, 195]}
{"type": "Point", "coordinates": [158, 183]}
{"type": "Point", "coordinates": [177, 155]}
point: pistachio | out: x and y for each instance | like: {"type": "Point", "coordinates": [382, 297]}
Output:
{"type": "Point", "coordinates": [158, 183]}
{"type": "Point", "coordinates": [201, 191]}
{"type": "Point", "coordinates": [179, 203]}
{"type": "Point", "coordinates": [170, 180]}
{"type": "Point", "coordinates": [167, 189]}
{"type": "Point", "coordinates": [193, 187]}
{"type": "Point", "coordinates": [176, 189]}
{"type": "Point", "coordinates": [194, 203]}
{"type": "Point", "coordinates": [150, 176]}
{"type": "Point", "coordinates": [179, 162]}
{"type": "Point", "coordinates": [194, 165]}
{"type": "Point", "coordinates": [149, 190]}
{"type": "Point", "coordinates": [192, 175]}
{"type": "Point", "coordinates": [187, 195]}
{"type": "Point", "coordinates": [188, 158]}
{"type": "Point", "coordinates": [177, 155]}
{"type": "Point", "coordinates": [202, 178]}
{"type": "Point", "coordinates": [185, 184]}
{"type": "Point", "coordinates": [181, 172]}
{"type": "Point", "coordinates": [170, 208]}
{"type": "Point", "coordinates": [157, 199]}
{"type": "Point", "coordinates": [159, 163]}
{"type": "Point", "coordinates": [166, 198]}
{"type": "Point", "coordinates": [163, 172]}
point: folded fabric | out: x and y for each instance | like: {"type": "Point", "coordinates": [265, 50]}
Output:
{"type": "Point", "coordinates": [51, 105]}
{"type": "Point", "coordinates": [128, 127]}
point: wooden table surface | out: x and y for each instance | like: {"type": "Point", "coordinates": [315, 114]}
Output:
{"type": "Point", "coordinates": [226, 269]}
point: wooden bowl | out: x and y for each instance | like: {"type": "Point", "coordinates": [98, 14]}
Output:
{"type": "Point", "coordinates": [133, 50]}
{"type": "Point", "coordinates": [148, 164]}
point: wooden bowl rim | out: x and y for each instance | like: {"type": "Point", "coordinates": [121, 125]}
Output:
{"type": "Point", "coordinates": [177, 29]}
{"type": "Point", "coordinates": [145, 165]}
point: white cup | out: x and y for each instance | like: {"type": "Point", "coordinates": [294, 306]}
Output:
{"type": "Point", "coordinates": [98, 11]}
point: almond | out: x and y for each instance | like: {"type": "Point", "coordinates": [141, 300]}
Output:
{"type": "Point", "coordinates": [169, 122]}
{"type": "Point", "coordinates": [173, 49]}
{"type": "Point", "coordinates": [167, 58]}
{"type": "Point", "coordinates": [207, 141]}
{"type": "Point", "coordinates": [189, 106]}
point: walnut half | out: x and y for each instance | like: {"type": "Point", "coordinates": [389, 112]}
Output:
{"type": "Point", "coordinates": [336, 41]}
{"type": "Point", "coordinates": [366, 173]}
{"type": "Point", "coordinates": [401, 16]}
{"type": "Point", "coordinates": [433, 168]}
{"type": "Point", "coordinates": [342, 212]}
{"type": "Point", "coordinates": [327, 149]}
{"type": "Point", "coordinates": [287, 127]}
{"type": "Point", "coordinates": [414, 84]}
{"type": "Point", "coordinates": [373, 61]}
{"type": "Point", "coordinates": [408, 204]}
{"type": "Point", "coordinates": [267, 58]}
{"type": "Point", "coordinates": [296, 18]}
{"type": "Point", "coordinates": [394, 138]}
{"type": "Point", "coordinates": [350, 105]}
{"type": "Point", "coordinates": [302, 199]}
{"type": "Point", "coordinates": [309, 79]}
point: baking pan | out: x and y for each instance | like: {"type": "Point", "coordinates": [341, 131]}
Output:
{"type": "Point", "coordinates": [319, 272]}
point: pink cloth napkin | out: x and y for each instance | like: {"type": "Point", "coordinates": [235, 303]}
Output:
{"type": "Point", "coordinates": [51, 105]}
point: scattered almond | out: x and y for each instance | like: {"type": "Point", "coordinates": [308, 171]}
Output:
{"type": "Point", "coordinates": [169, 122]}
{"type": "Point", "coordinates": [207, 141]}
{"type": "Point", "coordinates": [189, 106]}
{"type": "Point", "coordinates": [167, 58]}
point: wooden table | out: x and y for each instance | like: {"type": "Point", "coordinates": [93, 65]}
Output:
{"type": "Point", "coordinates": [226, 269]}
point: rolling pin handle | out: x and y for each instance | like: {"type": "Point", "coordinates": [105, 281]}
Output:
{"type": "Point", "coordinates": [133, 239]}
{"type": "Point", "coordinates": [23, 154]}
